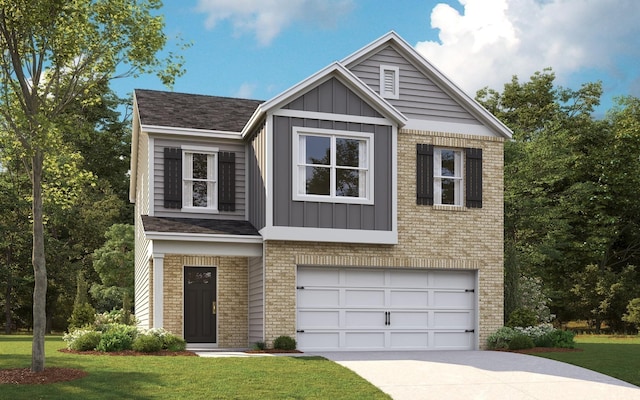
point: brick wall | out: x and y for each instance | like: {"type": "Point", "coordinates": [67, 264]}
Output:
{"type": "Point", "coordinates": [232, 295]}
{"type": "Point", "coordinates": [428, 237]}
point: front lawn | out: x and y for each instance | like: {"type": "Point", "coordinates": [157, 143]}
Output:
{"type": "Point", "coordinates": [165, 377]}
{"type": "Point", "coordinates": [614, 356]}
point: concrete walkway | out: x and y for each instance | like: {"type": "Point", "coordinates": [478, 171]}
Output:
{"type": "Point", "coordinates": [489, 375]}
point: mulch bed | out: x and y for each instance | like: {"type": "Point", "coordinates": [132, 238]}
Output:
{"type": "Point", "coordinates": [544, 350]}
{"type": "Point", "coordinates": [272, 351]}
{"type": "Point", "coordinates": [131, 353]}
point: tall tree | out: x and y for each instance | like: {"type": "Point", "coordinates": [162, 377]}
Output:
{"type": "Point", "coordinates": [55, 52]}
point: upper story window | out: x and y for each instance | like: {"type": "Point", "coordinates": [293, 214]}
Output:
{"type": "Point", "coordinates": [447, 176]}
{"type": "Point", "coordinates": [199, 177]}
{"type": "Point", "coordinates": [389, 82]}
{"type": "Point", "coordinates": [332, 166]}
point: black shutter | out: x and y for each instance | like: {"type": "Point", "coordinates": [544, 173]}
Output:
{"type": "Point", "coordinates": [474, 177]}
{"type": "Point", "coordinates": [226, 181]}
{"type": "Point", "coordinates": [424, 174]}
{"type": "Point", "coordinates": [172, 178]}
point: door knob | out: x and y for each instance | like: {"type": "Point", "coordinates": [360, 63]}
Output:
{"type": "Point", "coordinates": [214, 307]}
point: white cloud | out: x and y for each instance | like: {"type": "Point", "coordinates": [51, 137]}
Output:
{"type": "Point", "coordinates": [492, 40]}
{"type": "Point", "coordinates": [267, 18]}
{"type": "Point", "coordinates": [246, 91]}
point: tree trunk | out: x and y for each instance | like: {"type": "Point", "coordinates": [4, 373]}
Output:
{"type": "Point", "coordinates": [39, 267]}
{"type": "Point", "coordinates": [7, 295]}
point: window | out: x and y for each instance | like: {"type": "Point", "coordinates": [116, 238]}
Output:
{"type": "Point", "coordinates": [389, 82]}
{"type": "Point", "coordinates": [199, 179]}
{"type": "Point", "coordinates": [333, 166]}
{"type": "Point", "coordinates": [447, 176]}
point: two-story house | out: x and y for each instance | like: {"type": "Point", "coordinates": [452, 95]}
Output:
{"type": "Point", "coordinates": [361, 209]}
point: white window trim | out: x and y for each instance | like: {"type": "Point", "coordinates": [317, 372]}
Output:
{"type": "Point", "coordinates": [298, 180]}
{"type": "Point", "coordinates": [212, 187]}
{"type": "Point", "coordinates": [437, 177]}
{"type": "Point", "coordinates": [395, 94]}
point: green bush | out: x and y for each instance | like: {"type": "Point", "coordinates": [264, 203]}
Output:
{"type": "Point", "coordinates": [83, 314]}
{"type": "Point", "coordinates": [259, 345]}
{"type": "Point", "coordinates": [284, 343]}
{"type": "Point", "coordinates": [501, 338]}
{"type": "Point", "coordinates": [147, 343]}
{"type": "Point", "coordinates": [173, 343]}
{"type": "Point", "coordinates": [545, 340]}
{"type": "Point", "coordinates": [117, 337]}
{"type": "Point", "coordinates": [522, 317]}
{"type": "Point", "coordinates": [563, 339]}
{"type": "Point", "coordinates": [520, 341]}
{"type": "Point", "coordinates": [115, 316]}
{"type": "Point", "coordinates": [82, 339]}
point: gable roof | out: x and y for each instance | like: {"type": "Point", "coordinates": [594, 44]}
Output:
{"type": "Point", "coordinates": [193, 111]}
{"type": "Point", "coordinates": [334, 70]}
{"type": "Point", "coordinates": [436, 76]}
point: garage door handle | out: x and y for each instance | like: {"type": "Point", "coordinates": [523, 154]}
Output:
{"type": "Point", "coordinates": [387, 318]}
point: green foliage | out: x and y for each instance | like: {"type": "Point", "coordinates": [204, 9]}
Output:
{"type": "Point", "coordinates": [172, 342]}
{"type": "Point", "coordinates": [501, 338]}
{"type": "Point", "coordinates": [103, 320]}
{"type": "Point", "coordinates": [522, 317]}
{"type": "Point", "coordinates": [82, 339]}
{"type": "Point", "coordinates": [117, 337]}
{"type": "Point", "coordinates": [284, 343]}
{"type": "Point", "coordinates": [633, 312]}
{"type": "Point", "coordinates": [147, 343]}
{"type": "Point", "coordinates": [82, 315]}
{"type": "Point", "coordinates": [259, 345]}
{"type": "Point", "coordinates": [520, 341]}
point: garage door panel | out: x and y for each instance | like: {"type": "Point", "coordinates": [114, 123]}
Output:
{"type": "Point", "coordinates": [453, 299]}
{"type": "Point", "coordinates": [459, 320]}
{"type": "Point", "coordinates": [409, 340]}
{"type": "Point", "coordinates": [408, 299]}
{"type": "Point", "coordinates": [319, 298]}
{"type": "Point", "coordinates": [409, 319]}
{"type": "Point", "coordinates": [364, 319]}
{"type": "Point", "coordinates": [408, 279]}
{"type": "Point", "coordinates": [319, 277]}
{"type": "Point", "coordinates": [318, 340]}
{"type": "Point", "coordinates": [452, 340]}
{"type": "Point", "coordinates": [319, 319]}
{"type": "Point", "coordinates": [364, 298]}
{"type": "Point", "coordinates": [452, 279]}
{"type": "Point", "coordinates": [365, 340]}
{"type": "Point", "coordinates": [364, 278]}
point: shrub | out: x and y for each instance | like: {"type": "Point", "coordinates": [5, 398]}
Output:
{"type": "Point", "coordinates": [501, 338]}
{"type": "Point", "coordinates": [284, 343]}
{"type": "Point", "coordinates": [82, 314]}
{"type": "Point", "coordinates": [114, 316]}
{"type": "Point", "coordinates": [522, 317]}
{"type": "Point", "coordinates": [520, 341]}
{"type": "Point", "coordinates": [117, 337]}
{"type": "Point", "coordinates": [259, 345]}
{"type": "Point", "coordinates": [147, 343]}
{"type": "Point", "coordinates": [82, 339]}
{"type": "Point", "coordinates": [173, 343]}
{"type": "Point", "coordinates": [563, 339]}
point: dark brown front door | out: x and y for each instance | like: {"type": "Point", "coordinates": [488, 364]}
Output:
{"type": "Point", "coordinates": [200, 305]}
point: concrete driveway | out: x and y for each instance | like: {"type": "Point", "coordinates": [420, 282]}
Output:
{"type": "Point", "coordinates": [489, 375]}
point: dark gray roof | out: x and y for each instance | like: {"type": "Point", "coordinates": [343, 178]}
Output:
{"type": "Point", "coordinates": [182, 110]}
{"type": "Point", "coordinates": [192, 225]}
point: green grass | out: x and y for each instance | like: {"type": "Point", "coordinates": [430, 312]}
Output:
{"type": "Point", "coordinates": [154, 377]}
{"type": "Point", "coordinates": [614, 356]}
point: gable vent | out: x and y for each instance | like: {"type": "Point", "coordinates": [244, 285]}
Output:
{"type": "Point", "coordinates": [389, 82]}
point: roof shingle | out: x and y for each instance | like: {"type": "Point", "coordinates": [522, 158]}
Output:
{"type": "Point", "coordinates": [193, 225]}
{"type": "Point", "coordinates": [182, 110]}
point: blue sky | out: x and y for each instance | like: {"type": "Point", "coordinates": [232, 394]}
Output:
{"type": "Point", "coordinates": [259, 48]}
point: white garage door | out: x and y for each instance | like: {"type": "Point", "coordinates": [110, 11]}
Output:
{"type": "Point", "coordinates": [385, 309]}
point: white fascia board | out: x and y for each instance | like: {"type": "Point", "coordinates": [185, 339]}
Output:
{"type": "Point", "coordinates": [202, 237]}
{"type": "Point", "coordinates": [329, 235]}
{"type": "Point", "coordinates": [430, 70]}
{"type": "Point", "coordinates": [449, 127]}
{"type": "Point", "coordinates": [346, 77]}
{"type": "Point", "coordinates": [209, 249]}
{"type": "Point", "coordinates": [332, 117]}
{"type": "Point", "coordinates": [191, 132]}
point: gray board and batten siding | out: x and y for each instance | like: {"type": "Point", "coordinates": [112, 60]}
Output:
{"type": "Point", "coordinates": [158, 179]}
{"type": "Point", "coordinates": [328, 98]}
{"type": "Point", "coordinates": [419, 98]}
{"type": "Point", "coordinates": [257, 172]}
